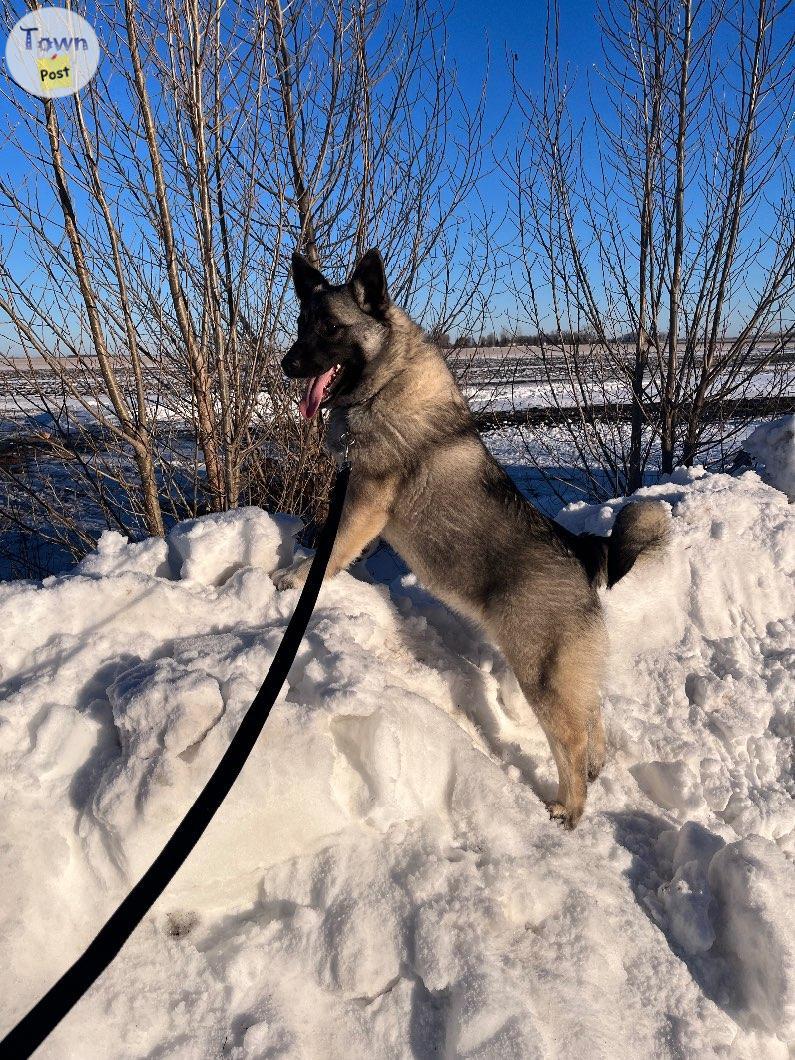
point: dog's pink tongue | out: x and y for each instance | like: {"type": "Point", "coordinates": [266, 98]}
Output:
{"type": "Point", "coordinates": [313, 395]}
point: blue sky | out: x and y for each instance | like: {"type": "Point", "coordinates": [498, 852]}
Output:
{"type": "Point", "coordinates": [503, 30]}
{"type": "Point", "coordinates": [519, 28]}
{"type": "Point", "coordinates": [477, 30]}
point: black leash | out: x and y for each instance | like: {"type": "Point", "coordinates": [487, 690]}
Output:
{"type": "Point", "coordinates": [31, 1031]}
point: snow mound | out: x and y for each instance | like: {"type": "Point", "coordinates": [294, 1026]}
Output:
{"type": "Point", "coordinates": [207, 551]}
{"type": "Point", "coordinates": [383, 880]}
{"type": "Point", "coordinates": [773, 445]}
{"type": "Point", "coordinates": [115, 554]}
{"type": "Point", "coordinates": [755, 888]}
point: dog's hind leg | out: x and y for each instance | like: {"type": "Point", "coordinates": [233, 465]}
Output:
{"type": "Point", "coordinates": [563, 691]}
{"type": "Point", "coordinates": [567, 733]}
{"type": "Point", "coordinates": [596, 743]}
{"type": "Point", "coordinates": [564, 719]}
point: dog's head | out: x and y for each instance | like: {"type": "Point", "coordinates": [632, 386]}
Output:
{"type": "Point", "coordinates": [341, 331]}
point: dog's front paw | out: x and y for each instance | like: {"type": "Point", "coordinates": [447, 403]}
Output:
{"type": "Point", "coordinates": [292, 577]}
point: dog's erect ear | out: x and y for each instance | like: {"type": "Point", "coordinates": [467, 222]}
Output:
{"type": "Point", "coordinates": [306, 278]}
{"type": "Point", "coordinates": [368, 284]}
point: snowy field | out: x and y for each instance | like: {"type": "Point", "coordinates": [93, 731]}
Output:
{"type": "Point", "coordinates": [512, 378]}
{"type": "Point", "coordinates": [494, 379]}
{"type": "Point", "coordinates": [384, 881]}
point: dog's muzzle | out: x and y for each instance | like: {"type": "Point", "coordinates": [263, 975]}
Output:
{"type": "Point", "coordinates": [291, 362]}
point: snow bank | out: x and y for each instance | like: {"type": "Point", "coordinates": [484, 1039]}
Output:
{"type": "Point", "coordinates": [754, 886]}
{"type": "Point", "coordinates": [207, 551]}
{"type": "Point", "coordinates": [383, 880]}
{"type": "Point", "coordinates": [773, 446]}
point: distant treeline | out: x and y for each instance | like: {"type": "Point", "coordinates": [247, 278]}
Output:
{"type": "Point", "coordinates": [490, 338]}
{"type": "Point", "coordinates": [568, 338]}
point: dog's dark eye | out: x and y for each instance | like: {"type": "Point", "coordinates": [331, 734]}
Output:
{"type": "Point", "coordinates": [330, 328]}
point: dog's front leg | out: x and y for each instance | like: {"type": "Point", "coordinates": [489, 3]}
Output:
{"type": "Point", "coordinates": [364, 516]}
{"type": "Point", "coordinates": [293, 576]}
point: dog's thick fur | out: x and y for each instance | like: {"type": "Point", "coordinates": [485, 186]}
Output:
{"type": "Point", "coordinates": [422, 479]}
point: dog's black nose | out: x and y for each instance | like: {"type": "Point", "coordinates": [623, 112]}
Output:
{"type": "Point", "coordinates": [290, 361]}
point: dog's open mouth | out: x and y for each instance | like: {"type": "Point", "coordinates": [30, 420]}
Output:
{"type": "Point", "coordinates": [318, 389]}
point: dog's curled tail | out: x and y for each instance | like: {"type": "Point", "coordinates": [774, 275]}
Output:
{"type": "Point", "coordinates": [641, 528]}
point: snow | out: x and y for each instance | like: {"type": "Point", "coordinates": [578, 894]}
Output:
{"type": "Point", "coordinates": [772, 444]}
{"type": "Point", "coordinates": [383, 880]}
{"type": "Point", "coordinates": [201, 548]}
{"type": "Point", "coordinates": [753, 884]}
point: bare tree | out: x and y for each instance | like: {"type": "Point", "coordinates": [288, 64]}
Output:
{"type": "Point", "coordinates": [148, 223]}
{"type": "Point", "coordinates": [665, 228]}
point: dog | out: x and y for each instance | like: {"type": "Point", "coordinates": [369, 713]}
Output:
{"type": "Point", "coordinates": [422, 479]}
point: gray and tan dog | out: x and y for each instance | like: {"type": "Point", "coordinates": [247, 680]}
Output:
{"type": "Point", "coordinates": [422, 479]}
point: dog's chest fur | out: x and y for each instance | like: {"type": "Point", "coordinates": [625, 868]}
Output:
{"type": "Point", "coordinates": [454, 516]}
